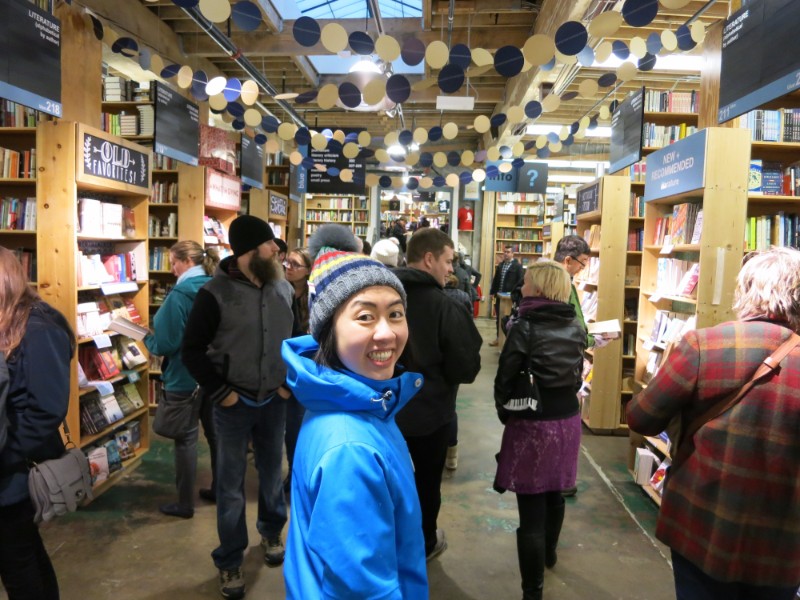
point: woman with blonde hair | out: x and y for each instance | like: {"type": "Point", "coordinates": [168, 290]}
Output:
{"type": "Point", "coordinates": [193, 266]}
{"type": "Point", "coordinates": [38, 345]}
{"type": "Point", "coordinates": [539, 452]}
{"type": "Point", "coordinates": [731, 511]}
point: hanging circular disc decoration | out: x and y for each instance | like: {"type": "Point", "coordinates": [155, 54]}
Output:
{"type": "Point", "coordinates": [549, 65]}
{"type": "Point", "coordinates": [387, 48]}
{"type": "Point", "coordinates": [571, 38]}
{"type": "Point", "coordinates": [199, 81]}
{"type": "Point", "coordinates": [334, 37]}
{"type": "Point", "coordinates": [435, 133]}
{"type": "Point", "coordinates": [563, 133]}
{"type": "Point", "coordinates": [440, 159]}
{"type": "Point", "coordinates": [413, 51]}
{"type": "Point", "coordinates": [592, 123]}
{"type": "Point", "coordinates": [349, 94]}
{"type": "Point", "coordinates": [465, 177]}
{"type": "Point", "coordinates": [361, 43]}
{"type": "Point", "coordinates": [492, 171]}
{"type": "Point", "coordinates": [249, 92]}
{"type": "Point", "coordinates": [327, 96]}
{"type": "Point", "coordinates": [603, 51]}
{"type": "Point", "coordinates": [413, 183]}
{"type": "Point", "coordinates": [482, 57]}
{"type": "Point", "coordinates": [529, 145]}
{"type": "Point", "coordinates": [364, 138]}
{"type": "Point", "coordinates": [438, 181]}
{"type": "Point", "coordinates": [604, 113]}
{"type": "Point", "coordinates": [505, 167]}
{"type": "Point", "coordinates": [460, 55]}
{"type": "Point", "coordinates": [436, 54]}
{"type": "Point", "coordinates": [480, 156]}
{"type": "Point", "coordinates": [605, 24]}
{"type": "Point", "coordinates": [302, 136]}
{"type": "Point", "coordinates": [307, 162]}
{"type": "Point", "coordinates": [374, 91]}
{"type": "Point", "coordinates": [569, 96]}
{"type": "Point", "coordinates": [479, 175]}
{"type": "Point", "coordinates": [295, 158]}
{"type": "Point", "coordinates": [272, 146]}
{"type": "Point", "coordinates": [350, 150]}
{"type": "Point", "coordinates": [385, 181]}
{"type": "Point", "coordinates": [306, 31]}
{"type": "Point", "coordinates": [453, 158]}
{"type": "Point", "coordinates": [335, 146]}
{"type": "Point", "coordinates": [607, 79]}
{"type": "Point", "coordinates": [467, 157]}
{"type": "Point", "coordinates": [482, 124]}
{"type": "Point", "coordinates": [306, 97]}
{"type": "Point", "coordinates": [285, 130]}
{"type": "Point", "coordinates": [391, 138]}
{"type": "Point", "coordinates": [498, 119]}
{"type": "Point", "coordinates": [698, 31]}
{"type": "Point", "coordinates": [426, 159]}
{"type": "Point", "coordinates": [371, 179]}
{"type": "Point", "coordinates": [638, 47]}
{"type": "Point", "coordinates": [215, 86]}
{"type": "Point", "coordinates": [653, 43]}
{"type": "Point", "coordinates": [125, 46]}
{"type": "Point", "coordinates": [515, 114]}
{"type": "Point", "coordinates": [613, 106]}
{"type": "Point", "coordinates": [425, 182]}
{"type": "Point", "coordinates": [551, 103]}
{"type": "Point", "coordinates": [685, 41]}
{"type": "Point", "coordinates": [217, 102]}
{"type": "Point", "coordinates": [233, 88]}
{"type": "Point", "coordinates": [381, 155]}
{"type": "Point", "coordinates": [452, 180]}
{"type": "Point", "coordinates": [216, 11]}
{"type": "Point", "coordinates": [260, 138]}
{"type": "Point", "coordinates": [543, 152]}
{"type": "Point", "coordinates": [450, 131]}
{"type": "Point", "coordinates": [333, 171]}
{"type": "Point", "coordinates": [493, 153]}
{"type": "Point", "coordinates": [346, 175]}
{"type": "Point", "coordinates": [156, 63]}
{"type": "Point", "coordinates": [246, 15]}
{"type": "Point", "coordinates": [351, 137]}
{"type": "Point", "coordinates": [412, 158]}
{"type": "Point", "coordinates": [539, 49]}
{"type": "Point", "coordinates": [451, 78]}
{"type": "Point", "coordinates": [647, 62]}
{"type": "Point", "coordinates": [638, 13]}
{"type": "Point", "coordinates": [398, 89]}
{"type": "Point", "coordinates": [339, 136]}
{"type": "Point", "coordinates": [238, 124]}
{"type": "Point", "coordinates": [185, 77]}
{"type": "Point", "coordinates": [669, 40]}
{"type": "Point", "coordinates": [541, 141]}
{"type": "Point", "coordinates": [420, 135]}
{"type": "Point", "coordinates": [533, 109]}
{"type": "Point", "coordinates": [557, 146]}
{"type": "Point", "coordinates": [508, 61]}
{"type": "Point", "coordinates": [269, 123]}
{"type": "Point", "coordinates": [620, 49]}
{"type": "Point", "coordinates": [405, 137]}
{"type": "Point", "coordinates": [573, 129]}
{"type": "Point", "coordinates": [505, 151]}
{"type": "Point", "coordinates": [588, 88]}
{"type": "Point", "coordinates": [553, 137]}
{"type": "Point", "coordinates": [517, 163]}
{"type": "Point", "coordinates": [586, 56]}
{"type": "Point", "coordinates": [626, 71]}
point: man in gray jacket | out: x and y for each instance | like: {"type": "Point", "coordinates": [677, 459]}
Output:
{"type": "Point", "coordinates": [232, 347]}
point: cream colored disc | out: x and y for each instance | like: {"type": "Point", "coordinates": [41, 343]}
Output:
{"type": "Point", "coordinates": [227, 117]}
{"type": "Point", "coordinates": [420, 135]}
{"type": "Point", "coordinates": [272, 146]}
{"type": "Point", "coordinates": [541, 141]}
{"type": "Point", "coordinates": [481, 57]}
{"type": "Point", "coordinates": [327, 96]}
{"type": "Point", "coordinates": [551, 103]}
{"type": "Point", "coordinates": [319, 141]}
{"type": "Point", "coordinates": [412, 158]}
{"type": "Point", "coordinates": [218, 102]}
{"type": "Point", "coordinates": [397, 182]}
{"type": "Point", "coordinates": [493, 153]}
{"type": "Point", "coordinates": [505, 167]}
{"type": "Point", "coordinates": [185, 77]}
{"type": "Point", "coordinates": [382, 155]}
{"type": "Point", "coordinates": [216, 86]}
{"type": "Point", "coordinates": [391, 138]}
{"type": "Point", "coordinates": [371, 179]}
{"type": "Point", "coordinates": [479, 175]}
{"type": "Point", "coordinates": [364, 138]}
{"type": "Point", "coordinates": [539, 49]}
{"type": "Point", "coordinates": [638, 47]}
{"type": "Point", "coordinates": [374, 91]}
{"type": "Point", "coordinates": [216, 11]}
{"type": "Point", "coordinates": [467, 157]}
{"type": "Point", "coordinates": [286, 96]}
{"type": "Point", "coordinates": [437, 54]}
{"type": "Point", "coordinates": [482, 124]}
{"type": "Point", "coordinates": [517, 149]}
{"type": "Point", "coordinates": [515, 114]}
{"type": "Point", "coordinates": [339, 136]}
{"type": "Point", "coordinates": [350, 150]}
{"type": "Point", "coordinates": [556, 146]}
{"type": "Point", "coordinates": [698, 32]}
{"type": "Point", "coordinates": [295, 158]}
{"type": "Point", "coordinates": [320, 167]}
{"type": "Point", "coordinates": [249, 92]}
{"type": "Point", "coordinates": [603, 51]}
{"type": "Point", "coordinates": [157, 64]}
{"type": "Point", "coordinates": [452, 180]}
{"type": "Point", "coordinates": [605, 113]}
{"type": "Point", "coordinates": [387, 48]}
{"type": "Point", "coordinates": [526, 66]}
{"type": "Point", "coordinates": [605, 24]}
{"type": "Point", "coordinates": [627, 71]}
{"type": "Point", "coordinates": [450, 131]}
{"type": "Point", "coordinates": [252, 117]}
{"type": "Point", "coordinates": [566, 59]}
{"type": "Point", "coordinates": [584, 122]}
{"type": "Point", "coordinates": [440, 159]}
{"type": "Point", "coordinates": [669, 40]}
{"type": "Point", "coordinates": [588, 88]}
{"type": "Point", "coordinates": [286, 131]}
{"type": "Point", "coordinates": [346, 175]}
{"type": "Point", "coordinates": [334, 37]}
{"type": "Point", "coordinates": [564, 133]}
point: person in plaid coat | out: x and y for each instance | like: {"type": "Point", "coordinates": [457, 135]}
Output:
{"type": "Point", "coordinates": [731, 513]}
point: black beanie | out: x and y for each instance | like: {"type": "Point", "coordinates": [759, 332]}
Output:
{"type": "Point", "coordinates": [248, 232]}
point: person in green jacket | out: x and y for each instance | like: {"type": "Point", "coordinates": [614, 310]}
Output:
{"type": "Point", "coordinates": [193, 266]}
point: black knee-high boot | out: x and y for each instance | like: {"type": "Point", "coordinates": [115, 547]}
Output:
{"type": "Point", "coordinates": [530, 550]}
{"type": "Point", "coordinates": [553, 522]}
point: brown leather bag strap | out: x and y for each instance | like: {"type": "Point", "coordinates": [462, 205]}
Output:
{"type": "Point", "coordinates": [768, 365]}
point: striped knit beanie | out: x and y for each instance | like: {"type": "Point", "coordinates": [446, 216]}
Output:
{"type": "Point", "coordinates": [340, 271]}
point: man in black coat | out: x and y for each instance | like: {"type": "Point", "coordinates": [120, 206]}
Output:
{"type": "Point", "coordinates": [444, 345]}
{"type": "Point", "coordinates": [399, 232]}
{"type": "Point", "coordinates": [507, 276]}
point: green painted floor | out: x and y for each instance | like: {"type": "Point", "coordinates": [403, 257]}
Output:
{"type": "Point", "coordinates": [121, 547]}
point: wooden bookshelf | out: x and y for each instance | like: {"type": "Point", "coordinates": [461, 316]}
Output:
{"type": "Point", "coordinates": [518, 223]}
{"type": "Point", "coordinates": [348, 210]}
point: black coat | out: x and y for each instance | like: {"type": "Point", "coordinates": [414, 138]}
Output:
{"type": "Point", "coordinates": [553, 340]}
{"type": "Point", "coordinates": [513, 277]}
{"type": "Point", "coordinates": [399, 232]}
{"type": "Point", "coordinates": [443, 344]}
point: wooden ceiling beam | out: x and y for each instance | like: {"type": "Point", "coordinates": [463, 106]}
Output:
{"type": "Point", "coordinates": [271, 17]}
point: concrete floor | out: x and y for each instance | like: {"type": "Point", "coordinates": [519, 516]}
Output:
{"type": "Point", "coordinates": [120, 547]}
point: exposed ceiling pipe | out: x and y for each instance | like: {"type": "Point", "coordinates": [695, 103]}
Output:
{"type": "Point", "coordinates": [450, 12]}
{"type": "Point", "coordinates": [236, 55]}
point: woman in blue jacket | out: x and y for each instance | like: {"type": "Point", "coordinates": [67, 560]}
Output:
{"type": "Point", "coordinates": [35, 339]}
{"type": "Point", "coordinates": [193, 266]}
{"type": "Point", "coordinates": [356, 527]}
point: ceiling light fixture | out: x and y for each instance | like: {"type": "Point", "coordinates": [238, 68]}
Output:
{"type": "Point", "coordinates": [365, 65]}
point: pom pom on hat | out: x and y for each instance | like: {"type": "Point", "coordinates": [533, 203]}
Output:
{"type": "Point", "coordinates": [248, 232]}
{"type": "Point", "coordinates": [386, 252]}
{"type": "Point", "coordinates": [340, 271]}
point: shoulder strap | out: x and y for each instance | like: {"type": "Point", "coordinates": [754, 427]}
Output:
{"type": "Point", "coordinates": [768, 366]}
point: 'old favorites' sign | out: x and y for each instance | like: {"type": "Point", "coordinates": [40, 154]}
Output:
{"type": "Point", "coordinates": [109, 160]}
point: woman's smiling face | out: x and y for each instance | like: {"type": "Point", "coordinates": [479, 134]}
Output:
{"type": "Point", "coordinates": [371, 332]}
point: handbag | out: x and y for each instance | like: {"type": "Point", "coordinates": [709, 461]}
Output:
{"type": "Point", "coordinates": [174, 418]}
{"type": "Point", "coordinates": [683, 437]}
{"type": "Point", "coordinates": [59, 485]}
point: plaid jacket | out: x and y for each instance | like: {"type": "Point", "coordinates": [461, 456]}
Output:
{"type": "Point", "coordinates": [733, 509]}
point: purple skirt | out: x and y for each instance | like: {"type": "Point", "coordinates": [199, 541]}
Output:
{"type": "Point", "coordinates": [539, 456]}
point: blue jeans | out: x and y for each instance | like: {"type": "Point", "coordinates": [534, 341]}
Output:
{"type": "Point", "coordinates": [235, 426]}
{"type": "Point", "coordinates": [693, 584]}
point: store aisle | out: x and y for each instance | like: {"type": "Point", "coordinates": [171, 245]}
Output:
{"type": "Point", "coordinates": [121, 547]}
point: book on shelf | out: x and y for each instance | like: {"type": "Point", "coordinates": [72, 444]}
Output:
{"type": "Point", "coordinates": [132, 356]}
{"type": "Point", "coordinates": [643, 466]}
{"type": "Point", "coordinates": [124, 445]}
{"type": "Point", "coordinates": [98, 464]}
{"type": "Point", "coordinates": [132, 392]}
{"type": "Point", "coordinates": [129, 328]}
{"type": "Point", "coordinates": [609, 329]}
{"type": "Point", "coordinates": [111, 408]}
{"type": "Point", "coordinates": [114, 459]}
{"type": "Point", "coordinates": [697, 230]}
{"type": "Point", "coordinates": [136, 436]}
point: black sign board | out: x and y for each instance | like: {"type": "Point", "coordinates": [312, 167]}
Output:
{"type": "Point", "coordinates": [444, 206]}
{"type": "Point", "coordinates": [588, 199]}
{"type": "Point", "coordinates": [30, 56]}
{"type": "Point", "coordinates": [532, 178]}
{"type": "Point", "coordinates": [760, 56]}
{"type": "Point", "coordinates": [277, 206]}
{"type": "Point", "coordinates": [627, 130]}
{"type": "Point", "coordinates": [320, 182]}
{"type": "Point", "coordinates": [109, 160]}
{"type": "Point", "coordinates": [252, 163]}
{"type": "Point", "coordinates": [177, 126]}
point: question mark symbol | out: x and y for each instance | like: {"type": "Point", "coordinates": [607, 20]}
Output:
{"type": "Point", "coordinates": [533, 174]}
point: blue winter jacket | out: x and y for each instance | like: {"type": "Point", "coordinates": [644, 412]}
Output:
{"type": "Point", "coordinates": [167, 337]}
{"type": "Point", "coordinates": [356, 527]}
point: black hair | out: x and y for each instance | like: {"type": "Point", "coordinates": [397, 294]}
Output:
{"type": "Point", "coordinates": [326, 355]}
{"type": "Point", "coordinates": [572, 246]}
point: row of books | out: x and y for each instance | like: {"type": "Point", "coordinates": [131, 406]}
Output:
{"type": "Point", "coordinates": [676, 277]}
{"type": "Point", "coordinates": [780, 229]}
{"type": "Point", "coordinates": [129, 123]}
{"type": "Point", "coordinates": [103, 364]}
{"type": "Point", "coordinates": [629, 344]}
{"type": "Point", "coordinates": [589, 305]}
{"type": "Point", "coordinates": [159, 259]}
{"type": "Point", "coordinates": [16, 164]}
{"type": "Point", "coordinates": [592, 236]}
{"type": "Point", "coordinates": [155, 391]}
{"type": "Point", "coordinates": [773, 179]}
{"type": "Point", "coordinates": [162, 226]}
{"type": "Point", "coordinates": [96, 269]}
{"type": "Point", "coordinates": [333, 216]}
{"type": "Point", "coordinates": [119, 89]}
{"type": "Point", "coordinates": [105, 219]}
{"type": "Point", "coordinates": [519, 208]}
{"type": "Point", "coordinates": [686, 225]}
{"type": "Point", "coordinates": [96, 312]}
{"type": "Point", "coordinates": [164, 163]}
{"type": "Point", "coordinates": [164, 192]}
{"type": "Point", "coordinates": [668, 101]}
{"type": "Point", "coordinates": [523, 221]}
{"type": "Point", "coordinates": [781, 125]}
{"type": "Point", "coordinates": [633, 276]}
{"type": "Point", "coordinates": [16, 115]}
{"type": "Point", "coordinates": [98, 412]}
{"type": "Point", "coordinates": [669, 327]}
{"type": "Point", "coordinates": [18, 214]}
{"type": "Point", "coordinates": [636, 206]}
{"type": "Point", "coordinates": [658, 136]}
{"type": "Point", "coordinates": [214, 231]}
{"type": "Point", "coordinates": [519, 234]}
{"type": "Point", "coordinates": [106, 458]}
{"type": "Point", "coordinates": [27, 258]}
{"type": "Point", "coordinates": [639, 172]}
{"type": "Point", "coordinates": [281, 178]}
{"type": "Point", "coordinates": [636, 239]}
{"type": "Point", "coordinates": [519, 247]}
